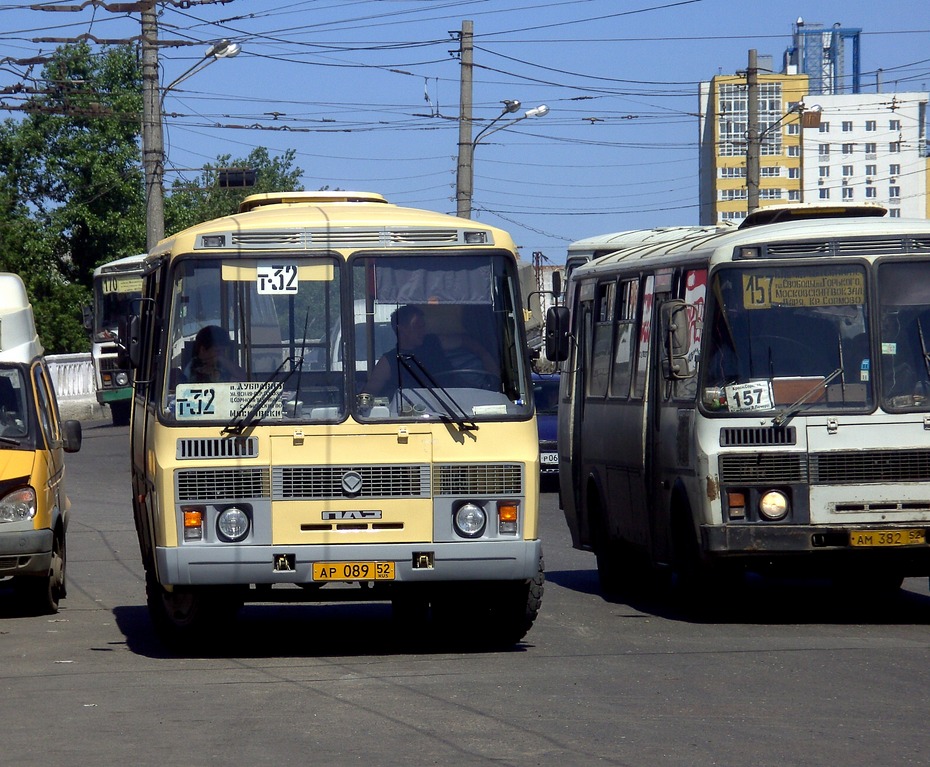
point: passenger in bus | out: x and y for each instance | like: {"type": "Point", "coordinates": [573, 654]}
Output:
{"type": "Point", "coordinates": [211, 359]}
{"type": "Point", "coordinates": [421, 352]}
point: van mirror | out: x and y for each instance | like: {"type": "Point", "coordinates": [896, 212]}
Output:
{"type": "Point", "coordinates": [677, 334]}
{"type": "Point", "coordinates": [557, 319]}
{"type": "Point", "coordinates": [71, 436]}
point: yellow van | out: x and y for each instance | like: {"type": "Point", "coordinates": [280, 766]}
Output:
{"type": "Point", "coordinates": [33, 505]}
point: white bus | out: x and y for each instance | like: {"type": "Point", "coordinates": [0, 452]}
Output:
{"type": "Point", "coordinates": [117, 285]}
{"type": "Point", "coordinates": [751, 400]}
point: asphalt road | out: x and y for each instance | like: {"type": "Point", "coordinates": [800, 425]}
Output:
{"type": "Point", "coordinates": [788, 674]}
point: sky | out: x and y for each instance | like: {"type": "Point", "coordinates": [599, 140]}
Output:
{"type": "Point", "coordinates": [366, 93]}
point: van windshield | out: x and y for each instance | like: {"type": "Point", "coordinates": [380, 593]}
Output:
{"type": "Point", "coordinates": [14, 414]}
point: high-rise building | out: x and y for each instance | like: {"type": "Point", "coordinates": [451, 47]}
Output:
{"type": "Point", "coordinates": [820, 53]}
{"type": "Point", "coordinates": [827, 147]}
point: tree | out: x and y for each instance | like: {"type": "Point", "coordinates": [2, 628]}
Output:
{"type": "Point", "coordinates": [191, 202]}
{"type": "Point", "coordinates": [71, 184]}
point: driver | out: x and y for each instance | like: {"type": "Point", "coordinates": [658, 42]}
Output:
{"type": "Point", "coordinates": [389, 373]}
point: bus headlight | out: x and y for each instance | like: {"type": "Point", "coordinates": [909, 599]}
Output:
{"type": "Point", "coordinates": [232, 524]}
{"type": "Point", "coordinates": [122, 379]}
{"type": "Point", "coordinates": [18, 506]}
{"type": "Point", "coordinates": [469, 520]}
{"type": "Point", "coordinates": [773, 505]}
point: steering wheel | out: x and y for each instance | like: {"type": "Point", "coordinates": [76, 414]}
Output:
{"type": "Point", "coordinates": [473, 378]}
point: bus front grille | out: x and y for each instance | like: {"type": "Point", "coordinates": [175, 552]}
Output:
{"type": "Point", "coordinates": [754, 468]}
{"type": "Point", "coordinates": [479, 479]}
{"type": "Point", "coordinates": [219, 484]}
{"type": "Point", "coordinates": [291, 483]}
{"type": "Point", "coordinates": [864, 466]}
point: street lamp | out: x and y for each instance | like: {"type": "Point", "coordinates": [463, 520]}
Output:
{"type": "Point", "coordinates": [465, 176]}
{"type": "Point", "coordinates": [153, 146]}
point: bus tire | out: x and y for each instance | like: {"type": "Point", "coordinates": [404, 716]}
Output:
{"type": "Point", "coordinates": [119, 413]}
{"type": "Point", "coordinates": [41, 595]}
{"type": "Point", "coordinates": [611, 572]}
{"type": "Point", "coordinates": [185, 617]}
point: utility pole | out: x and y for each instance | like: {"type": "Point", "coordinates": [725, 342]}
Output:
{"type": "Point", "coordinates": [464, 177]}
{"type": "Point", "coordinates": [753, 142]}
{"type": "Point", "coordinates": [153, 147]}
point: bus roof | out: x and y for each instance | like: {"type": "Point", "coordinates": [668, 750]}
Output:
{"type": "Point", "coordinates": [19, 341]}
{"type": "Point", "coordinates": [126, 264]}
{"type": "Point", "coordinates": [300, 221]}
{"type": "Point", "coordinates": [632, 237]}
{"type": "Point", "coordinates": [801, 210]}
{"type": "Point", "coordinates": [295, 198]}
{"type": "Point", "coordinates": [810, 237]}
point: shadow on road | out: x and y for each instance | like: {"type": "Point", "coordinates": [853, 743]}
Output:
{"type": "Point", "coordinates": [762, 601]}
{"type": "Point", "coordinates": [303, 630]}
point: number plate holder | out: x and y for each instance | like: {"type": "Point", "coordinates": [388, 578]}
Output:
{"type": "Point", "coordinates": [889, 537]}
{"type": "Point", "coordinates": [326, 572]}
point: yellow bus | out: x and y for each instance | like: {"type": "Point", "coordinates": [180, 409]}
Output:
{"type": "Point", "coordinates": [334, 390]}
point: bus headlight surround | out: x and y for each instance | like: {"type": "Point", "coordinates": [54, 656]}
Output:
{"type": "Point", "coordinates": [232, 524]}
{"type": "Point", "coordinates": [18, 506]}
{"type": "Point", "coordinates": [469, 520]}
{"type": "Point", "coordinates": [773, 505]}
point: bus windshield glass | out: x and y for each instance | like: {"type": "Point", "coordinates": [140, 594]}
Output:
{"type": "Point", "coordinates": [263, 340]}
{"type": "Point", "coordinates": [116, 296]}
{"type": "Point", "coordinates": [787, 335]}
{"type": "Point", "coordinates": [904, 302]}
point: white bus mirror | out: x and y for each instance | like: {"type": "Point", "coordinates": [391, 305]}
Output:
{"type": "Point", "coordinates": [675, 322]}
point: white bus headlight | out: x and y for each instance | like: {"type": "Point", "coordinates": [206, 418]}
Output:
{"type": "Point", "coordinates": [469, 520]}
{"type": "Point", "coordinates": [773, 505]}
{"type": "Point", "coordinates": [18, 506]}
{"type": "Point", "coordinates": [232, 524]}
{"type": "Point", "coordinates": [122, 379]}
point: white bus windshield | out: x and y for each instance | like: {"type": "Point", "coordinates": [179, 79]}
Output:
{"type": "Point", "coordinates": [780, 334]}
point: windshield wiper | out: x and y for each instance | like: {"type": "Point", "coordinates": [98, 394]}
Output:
{"type": "Point", "coordinates": [10, 441]}
{"type": "Point", "coordinates": [786, 414]}
{"type": "Point", "coordinates": [447, 402]}
{"type": "Point", "coordinates": [258, 400]}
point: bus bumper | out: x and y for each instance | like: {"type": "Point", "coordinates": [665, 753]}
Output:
{"type": "Point", "coordinates": [26, 552]}
{"type": "Point", "coordinates": [755, 541]}
{"type": "Point", "coordinates": [413, 562]}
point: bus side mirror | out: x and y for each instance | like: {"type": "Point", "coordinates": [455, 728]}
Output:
{"type": "Point", "coordinates": [557, 334]}
{"type": "Point", "coordinates": [677, 327]}
{"type": "Point", "coordinates": [557, 285]}
{"type": "Point", "coordinates": [87, 317]}
{"type": "Point", "coordinates": [130, 341]}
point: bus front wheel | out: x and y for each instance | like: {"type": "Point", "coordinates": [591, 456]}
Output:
{"type": "Point", "coordinates": [185, 616]}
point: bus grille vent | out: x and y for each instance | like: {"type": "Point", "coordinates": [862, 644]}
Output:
{"type": "Point", "coordinates": [479, 479]}
{"type": "Point", "coordinates": [236, 447]}
{"type": "Point", "coordinates": [290, 483]}
{"type": "Point", "coordinates": [788, 249]}
{"type": "Point", "coordinates": [754, 468]}
{"type": "Point", "coordinates": [860, 246]}
{"type": "Point", "coordinates": [304, 239]}
{"type": "Point", "coordinates": [763, 435]}
{"type": "Point", "coordinates": [222, 484]}
{"type": "Point", "coordinates": [865, 466]}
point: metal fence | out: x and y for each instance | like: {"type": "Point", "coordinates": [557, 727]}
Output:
{"type": "Point", "coordinates": [72, 374]}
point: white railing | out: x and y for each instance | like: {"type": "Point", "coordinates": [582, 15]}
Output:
{"type": "Point", "coordinates": [72, 374]}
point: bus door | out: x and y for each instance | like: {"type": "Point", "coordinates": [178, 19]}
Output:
{"type": "Point", "coordinates": [672, 434]}
{"type": "Point", "coordinates": [627, 466]}
{"type": "Point", "coordinates": [570, 439]}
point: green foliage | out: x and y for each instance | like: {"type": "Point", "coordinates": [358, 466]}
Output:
{"type": "Point", "coordinates": [202, 199]}
{"type": "Point", "coordinates": [71, 184]}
